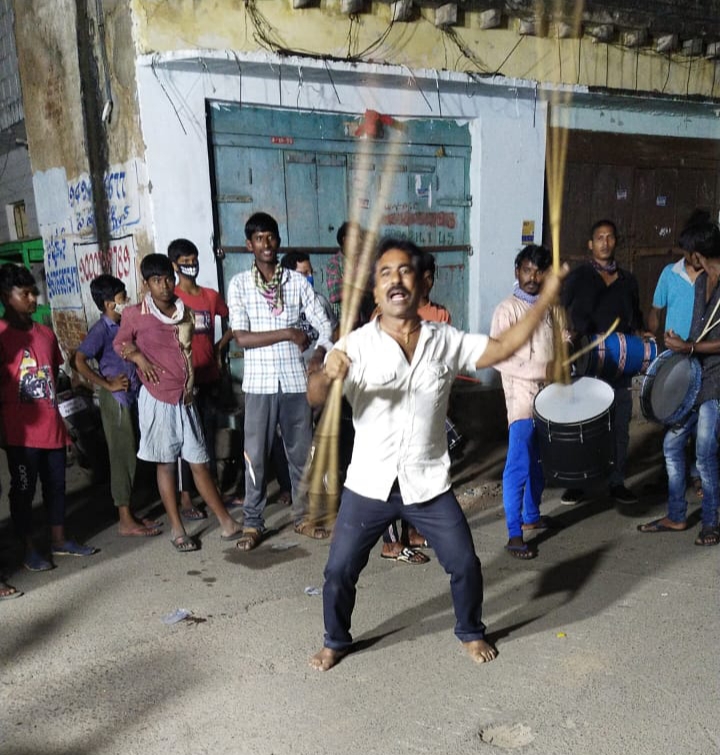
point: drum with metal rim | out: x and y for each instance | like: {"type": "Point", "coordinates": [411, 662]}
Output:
{"type": "Point", "coordinates": [670, 388]}
{"type": "Point", "coordinates": [616, 355]}
{"type": "Point", "coordinates": [574, 431]}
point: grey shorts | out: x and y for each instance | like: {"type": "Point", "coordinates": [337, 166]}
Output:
{"type": "Point", "coordinates": [169, 432]}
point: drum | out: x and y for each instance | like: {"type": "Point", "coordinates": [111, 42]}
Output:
{"type": "Point", "coordinates": [670, 388]}
{"type": "Point", "coordinates": [619, 354]}
{"type": "Point", "coordinates": [573, 424]}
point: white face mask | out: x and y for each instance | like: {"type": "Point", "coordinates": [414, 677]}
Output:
{"type": "Point", "coordinates": [190, 271]}
{"type": "Point", "coordinates": [119, 307]}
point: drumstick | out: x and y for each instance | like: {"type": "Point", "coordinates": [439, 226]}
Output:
{"type": "Point", "coordinates": [592, 345]}
{"type": "Point", "coordinates": [710, 325]}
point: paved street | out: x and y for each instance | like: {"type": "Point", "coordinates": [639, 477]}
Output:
{"type": "Point", "coordinates": [607, 642]}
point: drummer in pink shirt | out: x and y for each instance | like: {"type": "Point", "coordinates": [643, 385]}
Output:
{"type": "Point", "coordinates": [523, 376]}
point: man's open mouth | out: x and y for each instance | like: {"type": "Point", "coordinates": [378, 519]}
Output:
{"type": "Point", "coordinates": [398, 294]}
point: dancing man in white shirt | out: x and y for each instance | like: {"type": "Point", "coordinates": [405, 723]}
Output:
{"type": "Point", "coordinates": [397, 372]}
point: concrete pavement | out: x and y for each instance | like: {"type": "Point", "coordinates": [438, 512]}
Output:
{"type": "Point", "coordinates": [607, 642]}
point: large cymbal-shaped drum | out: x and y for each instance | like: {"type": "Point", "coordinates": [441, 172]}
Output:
{"type": "Point", "coordinates": [670, 388]}
{"type": "Point", "coordinates": [574, 431]}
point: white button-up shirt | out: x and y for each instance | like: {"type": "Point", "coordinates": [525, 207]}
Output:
{"type": "Point", "coordinates": [280, 365]}
{"type": "Point", "coordinates": [399, 409]}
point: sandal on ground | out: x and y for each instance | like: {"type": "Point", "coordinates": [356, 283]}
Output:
{"type": "Point", "coordinates": [35, 562]}
{"type": "Point", "coordinates": [416, 540]}
{"type": "Point", "coordinates": [71, 548]}
{"type": "Point", "coordinates": [657, 526]}
{"type": "Point", "coordinates": [708, 536]}
{"type": "Point", "coordinates": [232, 536]}
{"type": "Point", "coordinates": [8, 592]}
{"type": "Point", "coordinates": [192, 514]}
{"type": "Point", "coordinates": [407, 556]}
{"type": "Point", "coordinates": [524, 552]}
{"type": "Point", "coordinates": [249, 539]}
{"type": "Point", "coordinates": [544, 523]}
{"type": "Point", "coordinates": [310, 530]}
{"type": "Point", "coordinates": [141, 531]}
{"type": "Point", "coordinates": [184, 543]}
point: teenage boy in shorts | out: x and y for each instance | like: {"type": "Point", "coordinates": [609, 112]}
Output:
{"type": "Point", "coordinates": [156, 336]}
{"type": "Point", "coordinates": [206, 304]}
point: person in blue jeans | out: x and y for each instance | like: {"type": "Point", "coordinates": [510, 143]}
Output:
{"type": "Point", "coordinates": [523, 376]}
{"type": "Point", "coordinates": [703, 241]}
{"type": "Point", "coordinates": [396, 373]}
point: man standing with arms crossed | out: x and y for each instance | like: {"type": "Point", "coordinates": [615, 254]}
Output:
{"type": "Point", "coordinates": [397, 372]}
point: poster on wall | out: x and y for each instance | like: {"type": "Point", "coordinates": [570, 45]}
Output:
{"type": "Point", "coordinates": [118, 260]}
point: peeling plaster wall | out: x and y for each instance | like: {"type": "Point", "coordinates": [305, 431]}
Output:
{"type": "Point", "coordinates": [171, 25]}
{"type": "Point", "coordinates": [68, 165]}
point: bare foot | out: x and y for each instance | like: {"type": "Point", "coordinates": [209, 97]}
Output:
{"type": "Point", "coordinates": [480, 651]}
{"type": "Point", "coordinates": [326, 658]}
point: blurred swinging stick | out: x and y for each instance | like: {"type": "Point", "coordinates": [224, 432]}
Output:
{"type": "Point", "coordinates": [321, 477]}
{"type": "Point", "coordinates": [555, 161]}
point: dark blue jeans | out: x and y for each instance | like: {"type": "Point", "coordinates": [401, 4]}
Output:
{"type": "Point", "coordinates": [360, 523]}
{"type": "Point", "coordinates": [25, 465]}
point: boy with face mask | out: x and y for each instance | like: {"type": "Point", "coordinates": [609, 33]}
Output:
{"type": "Point", "coordinates": [207, 304]}
{"type": "Point", "coordinates": [119, 386]}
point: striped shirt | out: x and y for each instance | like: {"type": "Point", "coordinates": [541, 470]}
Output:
{"type": "Point", "coordinates": [279, 366]}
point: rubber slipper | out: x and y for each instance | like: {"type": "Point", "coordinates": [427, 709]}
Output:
{"type": "Point", "coordinates": [11, 595]}
{"type": "Point", "coordinates": [184, 544]}
{"type": "Point", "coordinates": [708, 536]}
{"type": "Point", "coordinates": [657, 526]}
{"type": "Point", "coordinates": [151, 524]}
{"type": "Point", "coordinates": [249, 539]}
{"type": "Point", "coordinates": [544, 523]}
{"type": "Point", "coordinates": [407, 556]}
{"type": "Point", "coordinates": [234, 536]}
{"type": "Point", "coordinates": [141, 531]}
{"type": "Point", "coordinates": [192, 514]}
{"type": "Point", "coordinates": [524, 552]}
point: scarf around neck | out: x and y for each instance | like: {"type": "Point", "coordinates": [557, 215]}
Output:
{"type": "Point", "coordinates": [611, 267]}
{"type": "Point", "coordinates": [270, 290]}
{"type": "Point", "coordinates": [518, 293]}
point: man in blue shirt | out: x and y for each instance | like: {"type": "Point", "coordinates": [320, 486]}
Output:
{"type": "Point", "coordinates": [119, 387]}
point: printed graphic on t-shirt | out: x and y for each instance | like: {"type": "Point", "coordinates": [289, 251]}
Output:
{"type": "Point", "coordinates": [35, 382]}
{"type": "Point", "coordinates": [308, 329]}
{"type": "Point", "coordinates": [203, 323]}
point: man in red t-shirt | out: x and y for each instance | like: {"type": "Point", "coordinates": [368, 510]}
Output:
{"type": "Point", "coordinates": [32, 429]}
{"type": "Point", "coordinates": [207, 304]}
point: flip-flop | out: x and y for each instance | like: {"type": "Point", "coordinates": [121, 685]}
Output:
{"type": "Point", "coordinates": [524, 552]}
{"type": "Point", "coordinates": [141, 531]}
{"type": "Point", "coordinates": [407, 556]}
{"type": "Point", "coordinates": [544, 523]}
{"type": "Point", "coordinates": [708, 536]}
{"type": "Point", "coordinates": [234, 536]}
{"type": "Point", "coordinates": [12, 595]}
{"type": "Point", "coordinates": [183, 540]}
{"type": "Point", "coordinates": [151, 524]}
{"type": "Point", "coordinates": [192, 514]}
{"type": "Point", "coordinates": [656, 526]}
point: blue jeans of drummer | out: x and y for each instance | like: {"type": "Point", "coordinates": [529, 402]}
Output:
{"type": "Point", "coordinates": [360, 523]}
{"type": "Point", "coordinates": [523, 479]}
{"type": "Point", "coordinates": [707, 422]}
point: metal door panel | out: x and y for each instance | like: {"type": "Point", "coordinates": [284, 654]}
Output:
{"type": "Point", "coordinates": [301, 199]}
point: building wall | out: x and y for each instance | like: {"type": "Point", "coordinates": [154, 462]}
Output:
{"type": "Point", "coordinates": [16, 185]}
{"type": "Point", "coordinates": [323, 30]}
{"type": "Point", "coordinates": [89, 175]}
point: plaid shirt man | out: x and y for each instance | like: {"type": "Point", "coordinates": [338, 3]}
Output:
{"type": "Point", "coordinates": [280, 365]}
